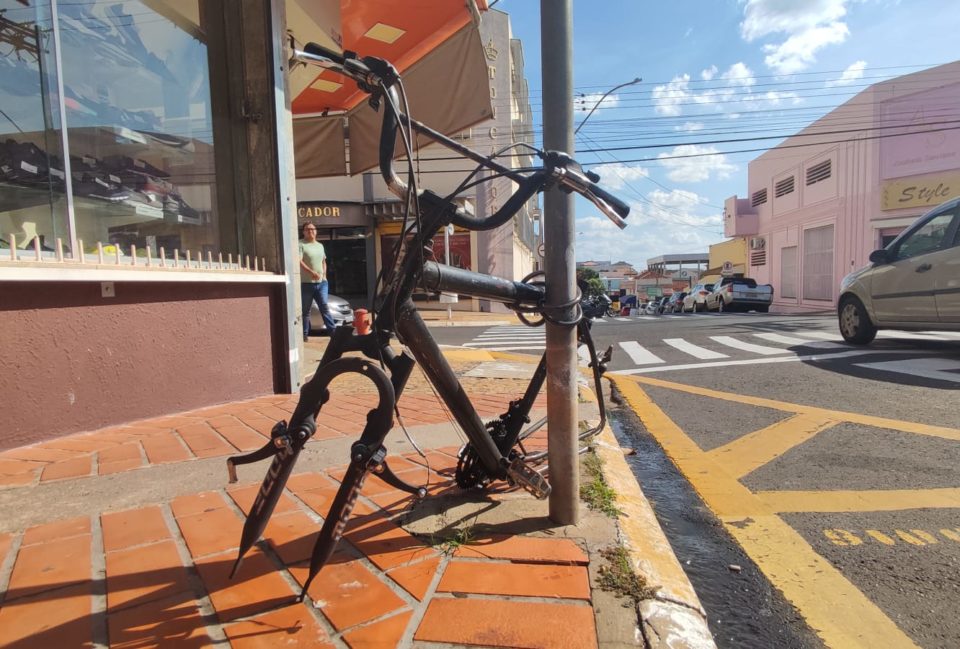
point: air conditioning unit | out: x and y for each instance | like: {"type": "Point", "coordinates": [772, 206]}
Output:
{"type": "Point", "coordinates": [758, 243]}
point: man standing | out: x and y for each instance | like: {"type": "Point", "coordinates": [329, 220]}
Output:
{"type": "Point", "coordinates": [313, 279]}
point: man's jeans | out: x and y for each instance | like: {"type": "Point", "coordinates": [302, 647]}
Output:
{"type": "Point", "coordinates": [315, 292]}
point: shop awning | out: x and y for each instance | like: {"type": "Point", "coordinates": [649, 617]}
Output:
{"type": "Point", "coordinates": [436, 46]}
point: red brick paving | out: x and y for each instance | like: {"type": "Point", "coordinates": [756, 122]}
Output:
{"type": "Point", "coordinates": [383, 587]}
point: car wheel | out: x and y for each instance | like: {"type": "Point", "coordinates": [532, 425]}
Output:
{"type": "Point", "coordinates": [720, 305]}
{"type": "Point", "coordinates": [763, 309]}
{"type": "Point", "coordinates": [855, 325]}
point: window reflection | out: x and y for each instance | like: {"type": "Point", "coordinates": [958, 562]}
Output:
{"type": "Point", "coordinates": [137, 95]}
{"type": "Point", "coordinates": [139, 126]}
{"type": "Point", "coordinates": [32, 178]}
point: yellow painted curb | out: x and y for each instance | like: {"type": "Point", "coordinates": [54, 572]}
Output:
{"type": "Point", "coordinates": [649, 548]}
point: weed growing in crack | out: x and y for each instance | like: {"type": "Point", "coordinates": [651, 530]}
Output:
{"type": "Point", "coordinates": [594, 490]}
{"type": "Point", "coordinates": [618, 576]}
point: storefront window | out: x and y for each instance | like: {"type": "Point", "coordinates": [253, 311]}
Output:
{"type": "Point", "coordinates": [32, 179]}
{"type": "Point", "coordinates": [139, 121]}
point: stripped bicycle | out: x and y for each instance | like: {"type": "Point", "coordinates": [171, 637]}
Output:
{"type": "Point", "coordinates": [495, 450]}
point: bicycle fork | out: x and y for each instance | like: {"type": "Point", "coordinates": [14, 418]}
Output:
{"type": "Point", "coordinates": [287, 441]}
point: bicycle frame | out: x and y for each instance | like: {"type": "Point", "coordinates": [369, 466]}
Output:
{"type": "Point", "coordinates": [494, 450]}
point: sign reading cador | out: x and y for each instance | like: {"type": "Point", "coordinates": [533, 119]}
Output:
{"type": "Point", "coordinates": [923, 191]}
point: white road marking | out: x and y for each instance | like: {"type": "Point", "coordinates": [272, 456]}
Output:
{"type": "Point", "coordinates": [939, 369]}
{"type": "Point", "coordinates": [694, 350]}
{"type": "Point", "coordinates": [638, 354]}
{"type": "Point", "coordinates": [760, 361]}
{"type": "Point", "coordinates": [730, 341]}
{"type": "Point", "coordinates": [791, 340]}
{"type": "Point", "coordinates": [821, 335]}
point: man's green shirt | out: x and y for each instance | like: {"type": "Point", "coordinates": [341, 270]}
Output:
{"type": "Point", "coordinates": [313, 254]}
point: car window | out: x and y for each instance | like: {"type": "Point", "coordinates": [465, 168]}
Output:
{"type": "Point", "coordinates": [929, 237]}
{"type": "Point", "coordinates": [749, 283]}
{"type": "Point", "coordinates": [708, 287]}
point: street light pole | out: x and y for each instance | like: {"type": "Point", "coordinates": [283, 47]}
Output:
{"type": "Point", "coordinates": [600, 101]}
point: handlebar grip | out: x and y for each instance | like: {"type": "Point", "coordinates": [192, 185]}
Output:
{"type": "Point", "coordinates": [320, 50]}
{"type": "Point", "coordinates": [615, 203]}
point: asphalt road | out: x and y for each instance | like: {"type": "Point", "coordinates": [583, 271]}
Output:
{"type": "Point", "coordinates": [833, 468]}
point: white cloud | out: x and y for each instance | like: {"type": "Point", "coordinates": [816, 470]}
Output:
{"type": "Point", "coordinates": [739, 75]}
{"type": "Point", "coordinates": [853, 72]}
{"type": "Point", "coordinates": [709, 73]}
{"type": "Point", "coordinates": [808, 25]}
{"type": "Point", "coordinates": [616, 175]}
{"type": "Point", "coordinates": [797, 52]}
{"type": "Point", "coordinates": [667, 223]}
{"type": "Point", "coordinates": [690, 127]}
{"type": "Point", "coordinates": [692, 163]}
{"type": "Point", "coordinates": [667, 98]}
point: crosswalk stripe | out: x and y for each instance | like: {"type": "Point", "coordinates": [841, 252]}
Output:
{"type": "Point", "coordinates": [510, 348]}
{"type": "Point", "coordinates": [912, 335]}
{"type": "Point", "coordinates": [821, 335]}
{"type": "Point", "coordinates": [537, 334]}
{"type": "Point", "coordinates": [791, 340]}
{"type": "Point", "coordinates": [694, 350]}
{"type": "Point", "coordinates": [488, 343]}
{"type": "Point", "coordinates": [639, 354]}
{"type": "Point", "coordinates": [730, 341]}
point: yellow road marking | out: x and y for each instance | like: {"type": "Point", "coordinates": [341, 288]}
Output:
{"type": "Point", "coordinates": [750, 452]}
{"type": "Point", "coordinates": [859, 501]}
{"type": "Point", "coordinates": [853, 417]}
{"type": "Point", "coordinates": [880, 536]}
{"type": "Point", "coordinates": [827, 600]}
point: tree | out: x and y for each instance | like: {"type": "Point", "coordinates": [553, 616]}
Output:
{"type": "Point", "coordinates": [590, 277]}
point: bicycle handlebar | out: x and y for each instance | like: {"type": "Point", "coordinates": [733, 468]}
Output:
{"type": "Point", "coordinates": [378, 77]}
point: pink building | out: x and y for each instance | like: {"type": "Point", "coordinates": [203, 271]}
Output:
{"type": "Point", "coordinates": [822, 200]}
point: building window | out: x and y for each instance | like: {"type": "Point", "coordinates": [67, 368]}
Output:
{"type": "Point", "coordinates": [783, 187]}
{"type": "Point", "coordinates": [759, 197]}
{"type": "Point", "coordinates": [788, 272]}
{"type": "Point", "coordinates": [818, 263]}
{"type": "Point", "coordinates": [131, 136]}
{"type": "Point", "coordinates": [818, 172]}
{"type": "Point", "coordinates": [758, 257]}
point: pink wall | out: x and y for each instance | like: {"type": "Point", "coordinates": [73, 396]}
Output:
{"type": "Point", "coordinates": [861, 162]}
{"type": "Point", "coordinates": [72, 360]}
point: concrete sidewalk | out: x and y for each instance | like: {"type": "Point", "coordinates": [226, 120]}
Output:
{"type": "Point", "coordinates": [125, 537]}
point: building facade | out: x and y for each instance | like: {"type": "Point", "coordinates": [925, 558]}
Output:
{"type": "Point", "coordinates": [822, 200]}
{"type": "Point", "coordinates": [508, 251]}
{"type": "Point", "coordinates": [148, 209]}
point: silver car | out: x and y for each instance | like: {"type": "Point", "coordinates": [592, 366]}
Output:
{"type": "Point", "coordinates": [913, 283]}
{"type": "Point", "coordinates": [340, 310]}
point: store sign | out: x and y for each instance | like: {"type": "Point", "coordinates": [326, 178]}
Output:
{"type": "Point", "coordinates": [919, 192]}
{"type": "Point", "coordinates": [316, 210]}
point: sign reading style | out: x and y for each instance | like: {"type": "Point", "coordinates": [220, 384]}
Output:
{"type": "Point", "coordinates": [926, 191]}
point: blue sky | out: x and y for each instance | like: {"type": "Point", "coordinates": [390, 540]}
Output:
{"type": "Point", "coordinates": [714, 70]}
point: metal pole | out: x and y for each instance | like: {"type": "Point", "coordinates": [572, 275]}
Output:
{"type": "Point", "coordinates": [556, 37]}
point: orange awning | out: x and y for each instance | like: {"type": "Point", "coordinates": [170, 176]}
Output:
{"type": "Point", "coordinates": [436, 46]}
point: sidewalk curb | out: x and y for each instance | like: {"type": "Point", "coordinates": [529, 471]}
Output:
{"type": "Point", "coordinates": [674, 617]}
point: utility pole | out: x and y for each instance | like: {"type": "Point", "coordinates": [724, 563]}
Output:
{"type": "Point", "coordinates": [556, 55]}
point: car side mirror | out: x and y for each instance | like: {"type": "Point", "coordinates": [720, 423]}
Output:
{"type": "Point", "coordinates": [880, 256]}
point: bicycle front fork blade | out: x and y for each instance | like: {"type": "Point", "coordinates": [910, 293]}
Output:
{"type": "Point", "coordinates": [287, 442]}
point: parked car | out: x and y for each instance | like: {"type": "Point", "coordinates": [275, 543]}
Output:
{"type": "Point", "coordinates": [340, 310]}
{"type": "Point", "coordinates": [653, 307]}
{"type": "Point", "coordinates": [675, 302]}
{"type": "Point", "coordinates": [695, 299]}
{"type": "Point", "coordinates": [739, 294]}
{"type": "Point", "coordinates": [913, 283]}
